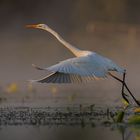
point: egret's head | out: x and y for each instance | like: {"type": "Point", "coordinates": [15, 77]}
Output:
{"type": "Point", "coordinates": [39, 26]}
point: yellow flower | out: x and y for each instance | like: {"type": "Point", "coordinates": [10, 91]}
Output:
{"type": "Point", "coordinates": [31, 88]}
{"type": "Point", "coordinates": [137, 110]}
{"type": "Point", "coordinates": [54, 90]}
{"type": "Point", "coordinates": [72, 97]}
{"type": "Point", "coordinates": [12, 88]}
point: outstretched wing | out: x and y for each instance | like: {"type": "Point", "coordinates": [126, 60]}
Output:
{"type": "Point", "coordinates": [77, 69]}
{"type": "Point", "coordinates": [60, 78]}
{"type": "Point", "coordinates": [83, 66]}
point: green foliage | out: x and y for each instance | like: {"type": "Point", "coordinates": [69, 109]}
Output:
{"type": "Point", "coordinates": [120, 116]}
{"type": "Point", "coordinates": [134, 119]}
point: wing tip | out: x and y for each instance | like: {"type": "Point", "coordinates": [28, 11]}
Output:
{"type": "Point", "coordinates": [37, 67]}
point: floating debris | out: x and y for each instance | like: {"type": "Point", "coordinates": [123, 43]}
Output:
{"type": "Point", "coordinates": [54, 116]}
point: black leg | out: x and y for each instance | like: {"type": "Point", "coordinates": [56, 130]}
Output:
{"type": "Point", "coordinates": [138, 103]}
{"type": "Point", "coordinates": [124, 85]}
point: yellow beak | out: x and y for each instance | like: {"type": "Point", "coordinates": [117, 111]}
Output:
{"type": "Point", "coordinates": [31, 26]}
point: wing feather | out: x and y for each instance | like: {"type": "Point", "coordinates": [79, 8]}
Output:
{"type": "Point", "coordinates": [60, 78]}
{"type": "Point", "coordinates": [78, 69]}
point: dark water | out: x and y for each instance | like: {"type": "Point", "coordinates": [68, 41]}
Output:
{"type": "Point", "coordinates": [70, 121]}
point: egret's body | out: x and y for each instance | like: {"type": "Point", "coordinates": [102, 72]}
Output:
{"type": "Point", "coordinates": [85, 66]}
{"type": "Point", "coordinates": [90, 66]}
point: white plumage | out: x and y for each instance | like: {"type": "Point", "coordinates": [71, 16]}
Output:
{"type": "Point", "coordinates": [85, 66]}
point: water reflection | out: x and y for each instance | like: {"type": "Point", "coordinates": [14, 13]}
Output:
{"type": "Point", "coordinates": [117, 132]}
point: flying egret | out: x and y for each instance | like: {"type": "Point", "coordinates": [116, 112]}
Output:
{"type": "Point", "coordinates": [85, 66]}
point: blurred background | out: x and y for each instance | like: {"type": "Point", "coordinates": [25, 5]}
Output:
{"type": "Point", "coordinates": [110, 28]}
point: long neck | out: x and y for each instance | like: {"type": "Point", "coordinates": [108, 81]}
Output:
{"type": "Point", "coordinates": [73, 49]}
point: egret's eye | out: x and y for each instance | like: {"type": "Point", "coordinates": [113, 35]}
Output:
{"type": "Point", "coordinates": [41, 25]}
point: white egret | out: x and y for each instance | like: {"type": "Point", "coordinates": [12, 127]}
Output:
{"type": "Point", "coordinates": [85, 66]}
